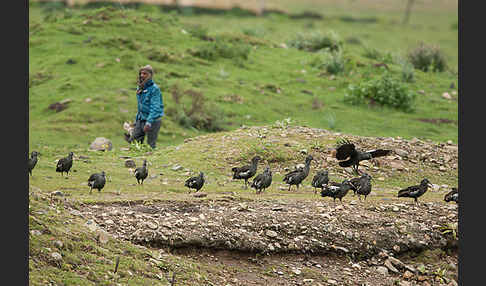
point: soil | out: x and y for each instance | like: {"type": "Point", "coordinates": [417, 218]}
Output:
{"type": "Point", "coordinates": [316, 242]}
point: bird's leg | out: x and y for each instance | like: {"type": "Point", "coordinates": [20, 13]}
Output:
{"type": "Point", "coordinates": [289, 187]}
{"type": "Point", "coordinates": [90, 190]}
{"type": "Point", "coordinates": [246, 186]}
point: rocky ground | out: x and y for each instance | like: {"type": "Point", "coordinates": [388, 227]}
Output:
{"type": "Point", "coordinates": [287, 237]}
{"type": "Point", "coordinates": [354, 243]}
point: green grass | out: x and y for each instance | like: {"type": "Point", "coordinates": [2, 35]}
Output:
{"type": "Point", "coordinates": [95, 39]}
{"type": "Point", "coordinates": [73, 54]}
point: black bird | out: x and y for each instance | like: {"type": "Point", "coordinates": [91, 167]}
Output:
{"type": "Point", "coordinates": [32, 161]}
{"type": "Point", "coordinates": [247, 171]}
{"type": "Point", "coordinates": [141, 173]}
{"type": "Point", "coordinates": [415, 191]}
{"type": "Point", "coordinates": [320, 179]}
{"type": "Point", "coordinates": [97, 181]}
{"type": "Point", "coordinates": [65, 164]}
{"type": "Point", "coordinates": [336, 190]}
{"type": "Point", "coordinates": [262, 181]}
{"type": "Point", "coordinates": [297, 176]}
{"type": "Point", "coordinates": [452, 196]}
{"type": "Point", "coordinates": [346, 150]}
{"type": "Point", "coordinates": [361, 185]}
{"type": "Point", "coordinates": [195, 182]}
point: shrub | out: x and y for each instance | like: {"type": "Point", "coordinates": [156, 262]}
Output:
{"type": "Point", "coordinates": [427, 57]}
{"type": "Point", "coordinates": [333, 63]}
{"type": "Point", "coordinates": [408, 71]}
{"type": "Point", "coordinates": [219, 49]}
{"type": "Point", "coordinates": [199, 115]}
{"type": "Point", "coordinates": [198, 31]}
{"type": "Point", "coordinates": [371, 53]}
{"type": "Point", "coordinates": [316, 41]}
{"type": "Point", "coordinates": [384, 91]}
{"type": "Point", "coordinates": [254, 32]}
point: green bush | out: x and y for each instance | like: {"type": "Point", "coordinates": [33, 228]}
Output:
{"type": "Point", "coordinates": [198, 31]}
{"type": "Point", "coordinates": [199, 115]}
{"type": "Point", "coordinates": [384, 91]}
{"type": "Point", "coordinates": [316, 41]}
{"type": "Point", "coordinates": [427, 57]}
{"type": "Point", "coordinates": [333, 63]}
{"type": "Point", "coordinates": [408, 71]}
{"type": "Point", "coordinates": [219, 49]}
{"type": "Point", "coordinates": [371, 53]}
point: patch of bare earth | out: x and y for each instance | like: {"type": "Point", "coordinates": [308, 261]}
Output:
{"type": "Point", "coordinates": [293, 243]}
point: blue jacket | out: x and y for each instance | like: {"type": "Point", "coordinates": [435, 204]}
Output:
{"type": "Point", "coordinates": [150, 104]}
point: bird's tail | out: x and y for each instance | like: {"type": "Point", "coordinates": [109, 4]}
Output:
{"type": "Point", "coordinates": [403, 193]}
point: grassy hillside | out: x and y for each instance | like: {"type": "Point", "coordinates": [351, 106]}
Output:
{"type": "Point", "coordinates": [237, 64]}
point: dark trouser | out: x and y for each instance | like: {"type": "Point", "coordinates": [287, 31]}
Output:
{"type": "Point", "coordinates": [139, 134]}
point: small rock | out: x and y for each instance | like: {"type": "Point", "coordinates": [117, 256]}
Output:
{"type": "Point", "coordinates": [401, 152]}
{"type": "Point", "coordinates": [271, 233]}
{"type": "Point", "coordinates": [101, 144]}
{"type": "Point", "coordinates": [331, 282]}
{"type": "Point", "coordinates": [446, 95]}
{"type": "Point", "coordinates": [407, 275]}
{"type": "Point", "coordinates": [421, 278]}
{"type": "Point", "coordinates": [57, 256]}
{"type": "Point", "coordinates": [58, 244]}
{"type": "Point", "coordinates": [296, 271]}
{"type": "Point", "coordinates": [176, 167]}
{"type": "Point", "coordinates": [35, 232]}
{"type": "Point", "coordinates": [404, 283]}
{"type": "Point", "coordinates": [129, 163]}
{"type": "Point", "coordinates": [283, 46]}
{"type": "Point", "coordinates": [152, 225]}
{"type": "Point", "coordinates": [76, 212]}
{"type": "Point", "coordinates": [382, 270]}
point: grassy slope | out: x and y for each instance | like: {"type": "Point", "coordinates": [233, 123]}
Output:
{"type": "Point", "coordinates": [86, 261]}
{"type": "Point", "coordinates": [97, 75]}
{"type": "Point", "coordinates": [52, 42]}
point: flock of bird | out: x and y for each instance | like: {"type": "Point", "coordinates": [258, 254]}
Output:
{"type": "Point", "coordinates": [346, 154]}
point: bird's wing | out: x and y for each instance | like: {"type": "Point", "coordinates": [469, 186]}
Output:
{"type": "Point", "coordinates": [61, 162]}
{"type": "Point", "coordinates": [344, 149]}
{"type": "Point", "coordinates": [379, 153]}
{"type": "Point", "coordinates": [412, 190]}
{"type": "Point", "coordinates": [92, 177]}
{"type": "Point", "coordinates": [190, 181]}
{"type": "Point", "coordinates": [241, 171]}
{"type": "Point", "coordinates": [347, 163]}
